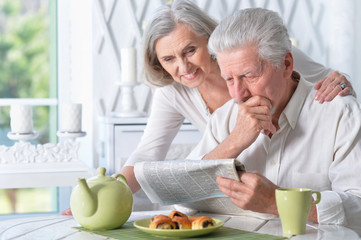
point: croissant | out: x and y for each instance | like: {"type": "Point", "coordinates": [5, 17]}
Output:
{"type": "Point", "coordinates": [176, 214]}
{"type": "Point", "coordinates": [202, 222]}
{"type": "Point", "coordinates": [160, 216]}
{"type": "Point", "coordinates": [182, 222]}
{"type": "Point", "coordinates": [163, 223]}
{"type": "Point", "coordinates": [193, 218]}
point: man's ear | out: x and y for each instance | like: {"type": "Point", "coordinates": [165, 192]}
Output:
{"type": "Point", "coordinates": [288, 64]}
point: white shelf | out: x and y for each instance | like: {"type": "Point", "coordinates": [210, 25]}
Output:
{"type": "Point", "coordinates": [124, 121]}
{"type": "Point", "coordinates": [112, 119]}
{"type": "Point", "coordinates": [33, 175]}
{"type": "Point", "coordinates": [45, 179]}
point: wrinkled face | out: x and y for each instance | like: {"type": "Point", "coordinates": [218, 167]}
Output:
{"type": "Point", "coordinates": [247, 76]}
{"type": "Point", "coordinates": [184, 55]}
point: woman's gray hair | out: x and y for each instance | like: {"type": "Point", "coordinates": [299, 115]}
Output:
{"type": "Point", "coordinates": [164, 21]}
{"type": "Point", "coordinates": [254, 26]}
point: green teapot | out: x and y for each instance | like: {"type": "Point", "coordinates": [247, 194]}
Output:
{"type": "Point", "coordinates": [101, 202]}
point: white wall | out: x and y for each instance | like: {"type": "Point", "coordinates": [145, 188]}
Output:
{"type": "Point", "coordinates": [75, 72]}
{"type": "Point", "coordinates": [342, 34]}
{"type": "Point", "coordinates": [357, 49]}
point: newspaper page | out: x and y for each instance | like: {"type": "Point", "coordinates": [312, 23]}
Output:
{"type": "Point", "coordinates": [191, 183]}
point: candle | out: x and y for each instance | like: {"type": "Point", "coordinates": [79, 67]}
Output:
{"type": "Point", "coordinates": [21, 119]}
{"type": "Point", "coordinates": [128, 65]}
{"type": "Point", "coordinates": [70, 116]}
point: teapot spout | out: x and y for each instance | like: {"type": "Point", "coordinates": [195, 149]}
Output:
{"type": "Point", "coordinates": [88, 201]}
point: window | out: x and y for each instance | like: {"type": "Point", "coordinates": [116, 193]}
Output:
{"type": "Point", "coordinates": [28, 75]}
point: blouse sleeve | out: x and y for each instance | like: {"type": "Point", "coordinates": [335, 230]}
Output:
{"type": "Point", "coordinates": [312, 71]}
{"type": "Point", "coordinates": [162, 127]}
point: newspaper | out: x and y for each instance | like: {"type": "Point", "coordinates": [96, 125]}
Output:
{"type": "Point", "coordinates": [191, 183]}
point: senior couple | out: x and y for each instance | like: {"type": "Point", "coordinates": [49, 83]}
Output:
{"type": "Point", "coordinates": [250, 103]}
{"type": "Point", "coordinates": [259, 110]}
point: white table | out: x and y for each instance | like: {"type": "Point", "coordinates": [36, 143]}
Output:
{"type": "Point", "coordinates": [60, 227]}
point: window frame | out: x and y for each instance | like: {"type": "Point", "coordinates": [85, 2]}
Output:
{"type": "Point", "coordinates": [59, 84]}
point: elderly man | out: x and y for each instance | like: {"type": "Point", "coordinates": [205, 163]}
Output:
{"type": "Point", "coordinates": [276, 129]}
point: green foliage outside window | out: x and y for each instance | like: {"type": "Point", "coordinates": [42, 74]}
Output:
{"type": "Point", "coordinates": [25, 73]}
{"type": "Point", "coordinates": [24, 57]}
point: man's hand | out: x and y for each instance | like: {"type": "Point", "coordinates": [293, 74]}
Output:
{"type": "Point", "coordinates": [253, 192]}
{"type": "Point", "coordinates": [330, 87]}
{"type": "Point", "coordinates": [254, 115]}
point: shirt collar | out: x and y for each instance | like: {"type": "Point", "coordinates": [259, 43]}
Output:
{"type": "Point", "coordinates": [294, 106]}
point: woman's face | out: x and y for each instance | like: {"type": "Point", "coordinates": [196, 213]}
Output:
{"type": "Point", "coordinates": [184, 55]}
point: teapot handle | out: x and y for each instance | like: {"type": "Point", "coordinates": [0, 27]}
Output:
{"type": "Point", "coordinates": [120, 177]}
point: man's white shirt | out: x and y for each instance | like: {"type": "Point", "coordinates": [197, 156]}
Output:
{"type": "Point", "coordinates": [318, 146]}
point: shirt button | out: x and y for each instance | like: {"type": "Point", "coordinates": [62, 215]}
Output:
{"type": "Point", "coordinates": [273, 162]}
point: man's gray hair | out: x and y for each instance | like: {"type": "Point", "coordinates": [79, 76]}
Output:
{"type": "Point", "coordinates": [253, 26]}
{"type": "Point", "coordinates": [164, 21]}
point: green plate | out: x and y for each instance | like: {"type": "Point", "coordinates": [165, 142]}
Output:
{"type": "Point", "coordinates": [143, 225]}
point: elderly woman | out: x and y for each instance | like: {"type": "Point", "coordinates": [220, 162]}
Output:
{"type": "Point", "coordinates": [176, 59]}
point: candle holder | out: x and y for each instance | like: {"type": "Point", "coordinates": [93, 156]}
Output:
{"type": "Point", "coordinates": [128, 105]}
{"type": "Point", "coordinates": [23, 152]}
{"type": "Point", "coordinates": [62, 156]}
{"type": "Point", "coordinates": [70, 135]}
{"type": "Point", "coordinates": [22, 136]}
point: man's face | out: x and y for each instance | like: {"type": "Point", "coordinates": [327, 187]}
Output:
{"type": "Point", "coordinates": [247, 76]}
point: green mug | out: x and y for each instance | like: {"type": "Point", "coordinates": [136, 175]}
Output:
{"type": "Point", "coordinates": [293, 205]}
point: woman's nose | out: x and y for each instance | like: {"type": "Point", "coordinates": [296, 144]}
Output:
{"type": "Point", "coordinates": [184, 65]}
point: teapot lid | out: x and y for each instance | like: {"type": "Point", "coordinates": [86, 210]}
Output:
{"type": "Point", "coordinates": [101, 177]}
{"type": "Point", "coordinates": [101, 171]}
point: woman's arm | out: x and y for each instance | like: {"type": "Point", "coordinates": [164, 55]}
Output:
{"type": "Point", "coordinates": [330, 85]}
{"type": "Point", "coordinates": [128, 173]}
{"type": "Point", "coordinates": [162, 126]}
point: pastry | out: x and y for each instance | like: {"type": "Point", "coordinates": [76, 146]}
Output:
{"type": "Point", "coordinates": [176, 214]}
{"type": "Point", "coordinates": [202, 222]}
{"type": "Point", "coordinates": [160, 216]}
{"type": "Point", "coordinates": [179, 220]}
{"type": "Point", "coordinates": [193, 218]}
{"type": "Point", "coordinates": [182, 222]}
{"type": "Point", "coordinates": [162, 223]}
